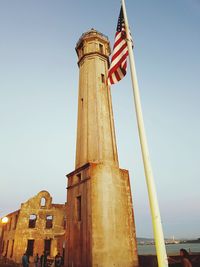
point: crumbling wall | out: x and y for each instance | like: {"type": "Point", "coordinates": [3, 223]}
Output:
{"type": "Point", "coordinates": [40, 226]}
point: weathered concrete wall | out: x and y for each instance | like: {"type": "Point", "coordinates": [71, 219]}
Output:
{"type": "Point", "coordinates": [18, 238]}
{"type": "Point", "coordinates": [78, 232]}
{"type": "Point", "coordinates": [113, 228]}
{"type": "Point", "coordinates": [105, 235]}
{"type": "Point", "coordinates": [95, 130]}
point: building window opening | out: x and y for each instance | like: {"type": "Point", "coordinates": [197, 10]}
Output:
{"type": "Point", "coordinates": [32, 221]}
{"type": "Point", "coordinates": [81, 50]}
{"type": "Point", "coordinates": [2, 249]}
{"type": "Point", "coordinates": [10, 224]}
{"type": "Point", "coordinates": [7, 244]}
{"type": "Point", "coordinates": [16, 219]}
{"type": "Point", "coordinates": [102, 78]}
{"type": "Point", "coordinates": [63, 252]}
{"type": "Point", "coordinates": [101, 48]}
{"type": "Point", "coordinates": [11, 253]}
{"type": "Point", "coordinates": [49, 221]}
{"type": "Point", "coordinates": [43, 202]}
{"type": "Point", "coordinates": [47, 246]}
{"type": "Point", "coordinates": [30, 247]}
{"type": "Point", "coordinates": [64, 222]}
{"type": "Point", "coordinates": [78, 207]}
{"type": "Point", "coordinates": [82, 102]}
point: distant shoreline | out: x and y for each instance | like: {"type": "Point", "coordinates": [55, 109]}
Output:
{"type": "Point", "coordinates": [172, 248]}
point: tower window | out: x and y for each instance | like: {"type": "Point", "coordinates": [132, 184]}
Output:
{"type": "Point", "coordinates": [78, 207]}
{"type": "Point", "coordinates": [102, 78]}
{"type": "Point", "coordinates": [32, 221]}
{"type": "Point", "coordinates": [82, 102]}
{"type": "Point", "coordinates": [79, 177]}
{"type": "Point", "coordinates": [101, 48]}
{"type": "Point", "coordinates": [49, 221]}
{"type": "Point", "coordinates": [64, 222]}
{"type": "Point", "coordinates": [81, 50]}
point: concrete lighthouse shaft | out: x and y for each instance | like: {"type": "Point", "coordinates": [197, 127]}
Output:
{"type": "Point", "coordinates": [95, 131]}
{"type": "Point", "coordinates": [100, 226]}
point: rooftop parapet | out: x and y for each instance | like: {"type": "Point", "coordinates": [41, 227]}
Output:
{"type": "Point", "coordinates": [91, 33]}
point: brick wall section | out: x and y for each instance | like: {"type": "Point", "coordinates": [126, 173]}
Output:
{"type": "Point", "coordinates": [18, 237]}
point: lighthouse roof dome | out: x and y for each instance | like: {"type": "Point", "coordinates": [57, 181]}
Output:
{"type": "Point", "coordinates": [91, 33]}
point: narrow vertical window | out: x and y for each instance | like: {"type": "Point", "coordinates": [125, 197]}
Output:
{"type": "Point", "coordinates": [10, 224]}
{"type": "Point", "coordinates": [43, 202]}
{"type": "Point", "coordinates": [11, 253]}
{"type": "Point", "coordinates": [63, 251]}
{"type": "Point", "coordinates": [79, 177]}
{"type": "Point", "coordinates": [78, 206]}
{"type": "Point", "coordinates": [16, 219]}
{"type": "Point", "coordinates": [49, 221]}
{"type": "Point", "coordinates": [47, 246]}
{"type": "Point", "coordinates": [32, 221]}
{"type": "Point", "coordinates": [82, 102]}
{"type": "Point", "coordinates": [81, 51]}
{"type": "Point", "coordinates": [102, 78]}
{"type": "Point", "coordinates": [64, 222]}
{"type": "Point", "coordinates": [2, 249]}
{"type": "Point", "coordinates": [101, 48]}
{"type": "Point", "coordinates": [7, 244]}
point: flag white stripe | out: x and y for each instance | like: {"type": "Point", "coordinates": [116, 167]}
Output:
{"type": "Point", "coordinates": [119, 46]}
{"type": "Point", "coordinates": [114, 78]}
{"type": "Point", "coordinates": [118, 35]}
{"type": "Point", "coordinates": [121, 75]}
{"type": "Point", "coordinates": [114, 62]}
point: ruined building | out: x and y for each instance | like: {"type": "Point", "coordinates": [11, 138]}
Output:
{"type": "Point", "coordinates": [100, 228]}
{"type": "Point", "coordinates": [100, 225]}
{"type": "Point", "coordinates": [39, 225]}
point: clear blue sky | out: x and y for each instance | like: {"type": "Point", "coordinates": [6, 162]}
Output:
{"type": "Point", "coordinates": [38, 102]}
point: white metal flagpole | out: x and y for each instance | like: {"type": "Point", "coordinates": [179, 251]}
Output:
{"type": "Point", "coordinates": [155, 213]}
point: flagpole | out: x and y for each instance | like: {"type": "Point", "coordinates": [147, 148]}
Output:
{"type": "Point", "coordinates": [155, 213]}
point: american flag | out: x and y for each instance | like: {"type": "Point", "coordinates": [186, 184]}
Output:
{"type": "Point", "coordinates": [118, 64]}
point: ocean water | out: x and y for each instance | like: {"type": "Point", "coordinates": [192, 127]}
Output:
{"type": "Point", "coordinates": [172, 249]}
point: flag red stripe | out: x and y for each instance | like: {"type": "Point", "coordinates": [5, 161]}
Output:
{"type": "Point", "coordinates": [119, 51]}
{"type": "Point", "coordinates": [117, 64]}
{"type": "Point", "coordinates": [117, 41]}
{"type": "Point", "coordinates": [117, 76]}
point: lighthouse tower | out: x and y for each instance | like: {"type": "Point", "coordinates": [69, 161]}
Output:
{"type": "Point", "coordinates": [100, 225]}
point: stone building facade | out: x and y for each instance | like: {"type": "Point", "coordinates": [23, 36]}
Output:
{"type": "Point", "coordinates": [39, 225]}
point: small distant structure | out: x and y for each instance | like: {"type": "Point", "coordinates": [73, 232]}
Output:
{"type": "Point", "coordinates": [39, 225]}
{"type": "Point", "coordinates": [172, 241]}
